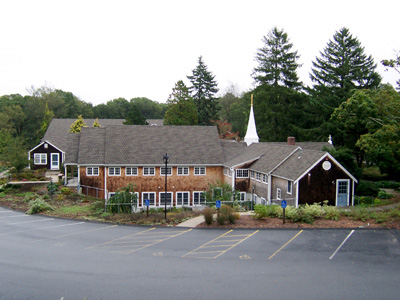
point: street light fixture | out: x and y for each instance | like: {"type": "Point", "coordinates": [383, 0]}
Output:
{"type": "Point", "coordinates": [166, 160]}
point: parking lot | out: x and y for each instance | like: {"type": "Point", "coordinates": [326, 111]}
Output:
{"type": "Point", "coordinates": [48, 258]}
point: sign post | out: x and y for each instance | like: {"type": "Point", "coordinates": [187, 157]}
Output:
{"type": "Point", "coordinates": [147, 203]}
{"type": "Point", "coordinates": [283, 204]}
{"type": "Point", "coordinates": [218, 206]}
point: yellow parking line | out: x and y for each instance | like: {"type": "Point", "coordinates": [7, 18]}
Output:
{"type": "Point", "coordinates": [287, 243]}
{"type": "Point", "coordinates": [208, 243]}
{"type": "Point", "coordinates": [237, 243]}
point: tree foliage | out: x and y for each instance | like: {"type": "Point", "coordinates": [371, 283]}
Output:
{"type": "Point", "coordinates": [277, 63]}
{"type": "Point", "coordinates": [203, 90]}
{"type": "Point", "coordinates": [134, 116]}
{"type": "Point", "coordinates": [76, 127]}
{"type": "Point", "coordinates": [394, 64]}
{"type": "Point", "coordinates": [181, 109]}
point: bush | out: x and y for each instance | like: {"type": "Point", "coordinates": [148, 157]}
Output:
{"type": "Point", "coordinates": [38, 205]}
{"type": "Point", "coordinates": [208, 214]}
{"type": "Point", "coordinates": [384, 195]}
{"type": "Point", "coordinates": [272, 211]}
{"type": "Point", "coordinates": [367, 188]}
{"type": "Point", "coordinates": [66, 191]}
{"type": "Point", "coordinates": [331, 213]}
{"type": "Point", "coordinates": [52, 188]}
{"type": "Point", "coordinates": [28, 197]}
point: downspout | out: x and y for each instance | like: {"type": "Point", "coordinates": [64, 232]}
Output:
{"type": "Point", "coordinates": [233, 183]}
{"type": "Point", "coordinates": [65, 175]}
{"type": "Point", "coordinates": [269, 188]}
{"type": "Point", "coordinates": [105, 183]}
{"type": "Point", "coordinates": [297, 194]}
{"type": "Point", "coordinates": [352, 194]}
{"type": "Point", "coordinates": [79, 178]}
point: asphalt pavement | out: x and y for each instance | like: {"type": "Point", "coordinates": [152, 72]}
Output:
{"type": "Point", "coordinates": [48, 258]}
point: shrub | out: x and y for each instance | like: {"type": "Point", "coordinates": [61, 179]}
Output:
{"type": "Point", "coordinates": [208, 214]}
{"type": "Point", "coordinates": [384, 195]}
{"type": "Point", "coordinates": [367, 188]}
{"type": "Point", "coordinates": [221, 219]}
{"type": "Point", "coordinates": [331, 213]}
{"type": "Point", "coordinates": [38, 205]}
{"type": "Point", "coordinates": [28, 197]}
{"type": "Point", "coordinates": [272, 211]}
{"type": "Point", "coordinates": [388, 185]}
{"type": "Point", "coordinates": [66, 191]}
{"type": "Point", "coordinates": [60, 197]}
{"type": "Point", "coordinates": [52, 188]}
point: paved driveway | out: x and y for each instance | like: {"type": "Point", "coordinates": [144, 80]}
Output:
{"type": "Point", "coordinates": [47, 258]}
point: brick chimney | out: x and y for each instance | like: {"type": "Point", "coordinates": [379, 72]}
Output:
{"type": "Point", "coordinates": [291, 140]}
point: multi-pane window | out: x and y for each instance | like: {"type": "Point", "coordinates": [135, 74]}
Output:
{"type": "Point", "coordinates": [252, 174]}
{"type": "Point", "coordinates": [264, 178]}
{"type": "Point", "coordinates": [199, 198]}
{"type": "Point", "coordinates": [242, 196]}
{"type": "Point", "coordinates": [242, 173]}
{"type": "Point", "coordinates": [258, 176]}
{"type": "Point", "coordinates": [92, 171]}
{"type": "Point", "coordinates": [229, 172]}
{"type": "Point", "coordinates": [182, 198]}
{"type": "Point", "coordinates": [131, 171]}
{"type": "Point", "coordinates": [289, 187]}
{"type": "Point", "coordinates": [226, 171]}
{"type": "Point", "coordinates": [114, 171]}
{"type": "Point", "coordinates": [169, 199]}
{"type": "Point", "coordinates": [183, 171]}
{"type": "Point", "coordinates": [169, 171]}
{"type": "Point", "coordinates": [40, 158]}
{"type": "Point", "coordinates": [199, 170]}
{"type": "Point", "coordinates": [278, 194]}
{"type": "Point", "coordinates": [149, 171]}
{"type": "Point", "coordinates": [149, 196]}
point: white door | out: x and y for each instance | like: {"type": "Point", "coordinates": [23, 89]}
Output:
{"type": "Point", "coordinates": [54, 161]}
{"type": "Point", "coordinates": [342, 192]}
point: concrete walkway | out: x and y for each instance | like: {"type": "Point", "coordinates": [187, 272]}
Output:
{"type": "Point", "coordinates": [200, 219]}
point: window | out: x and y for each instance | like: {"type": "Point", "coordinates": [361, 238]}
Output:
{"type": "Point", "coordinates": [226, 171]}
{"type": "Point", "coordinates": [252, 174]}
{"type": "Point", "coordinates": [289, 187]}
{"type": "Point", "coordinates": [149, 171]}
{"type": "Point", "coordinates": [229, 172]}
{"type": "Point", "coordinates": [183, 171]}
{"type": "Point", "coordinates": [182, 198]}
{"type": "Point", "coordinates": [265, 178]}
{"type": "Point", "coordinates": [242, 196]}
{"type": "Point", "coordinates": [92, 171]}
{"type": "Point", "coordinates": [169, 171]}
{"type": "Point", "coordinates": [199, 170]}
{"type": "Point", "coordinates": [278, 194]}
{"type": "Point", "coordinates": [40, 158]}
{"type": "Point", "coordinates": [258, 176]}
{"type": "Point", "coordinates": [149, 196]}
{"type": "Point", "coordinates": [242, 173]}
{"type": "Point", "coordinates": [114, 171]}
{"type": "Point", "coordinates": [162, 199]}
{"type": "Point", "coordinates": [131, 171]}
{"type": "Point", "coordinates": [199, 198]}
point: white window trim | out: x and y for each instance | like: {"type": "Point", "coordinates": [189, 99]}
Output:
{"type": "Point", "coordinates": [242, 171]}
{"type": "Point", "coordinates": [258, 176]}
{"type": "Point", "coordinates": [290, 183]}
{"type": "Point", "coordinates": [181, 204]}
{"type": "Point", "coordinates": [199, 192]}
{"type": "Point", "coordinates": [169, 171]}
{"type": "Point", "coordinates": [39, 156]}
{"type": "Point", "coordinates": [200, 169]}
{"type": "Point", "coordinates": [182, 169]}
{"type": "Point", "coordinates": [265, 176]}
{"type": "Point", "coordinates": [149, 168]}
{"type": "Point", "coordinates": [92, 173]}
{"type": "Point", "coordinates": [113, 171]}
{"type": "Point", "coordinates": [252, 174]}
{"type": "Point", "coordinates": [131, 168]}
{"type": "Point", "coordinates": [278, 194]}
{"type": "Point", "coordinates": [168, 204]}
{"type": "Point", "coordinates": [242, 194]}
{"type": "Point", "coordinates": [143, 199]}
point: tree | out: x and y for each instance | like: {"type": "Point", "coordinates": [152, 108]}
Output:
{"type": "Point", "coordinates": [134, 116]}
{"type": "Point", "coordinates": [226, 102]}
{"type": "Point", "coordinates": [225, 131]}
{"type": "Point", "coordinates": [150, 109]}
{"type": "Point", "coordinates": [96, 123]}
{"type": "Point", "coordinates": [395, 64]}
{"type": "Point", "coordinates": [277, 63]}
{"type": "Point", "coordinates": [76, 127]}
{"type": "Point", "coordinates": [342, 67]}
{"type": "Point", "coordinates": [203, 90]}
{"type": "Point", "coordinates": [181, 109]}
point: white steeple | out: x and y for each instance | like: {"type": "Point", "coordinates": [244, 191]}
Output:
{"type": "Point", "coordinates": [251, 134]}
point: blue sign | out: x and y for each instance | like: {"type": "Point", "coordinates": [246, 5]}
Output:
{"type": "Point", "coordinates": [218, 203]}
{"type": "Point", "coordinates": [147, 202]}
{"type": "Point", "coordinates": [283, 204]}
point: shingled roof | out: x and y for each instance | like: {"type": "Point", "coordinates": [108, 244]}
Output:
{"type": "Point", "coordinates": [146, 145]}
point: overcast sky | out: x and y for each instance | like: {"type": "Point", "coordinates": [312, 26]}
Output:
{"type": "Point", "coordinates": [102, 50]}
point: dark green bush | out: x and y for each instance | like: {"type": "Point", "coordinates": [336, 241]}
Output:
{"type": "Point", "coordinates": [388, 185]}
{"type": "Point", "coordinates": [367, 188]}
{"type": "Point", "coordinates": [384, 195]}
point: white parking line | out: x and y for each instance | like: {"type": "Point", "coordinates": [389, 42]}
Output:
{"type": "Point", "coordinates": [41, 220]}
{"type": "Point", "coordinates": [345, 240]}
{"type": "Point", "coordinates": [64, 225]}
{"type": "Point", "coordinates": [18, 216]}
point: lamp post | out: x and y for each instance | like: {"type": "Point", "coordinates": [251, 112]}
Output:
{"type": "Point", "coordinates": [166, 160]}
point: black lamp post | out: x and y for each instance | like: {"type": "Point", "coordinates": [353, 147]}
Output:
{"type": "Point", "coordinates": [166, 160]}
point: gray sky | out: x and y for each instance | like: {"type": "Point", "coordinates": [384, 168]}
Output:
{"type": "Point", "coordinates": [102, 50]}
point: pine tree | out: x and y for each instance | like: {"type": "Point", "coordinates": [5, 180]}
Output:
{"type": "Point", "coordinates": [342, 67]}
{"type": "Point", "coordinates": [181, 109]}
{"type": "Point", "coordinates": [277, 63]}
{"type": "Point", "coordinates": [77, 125]}
{"type": "Point", "coordinates": [203, 90]}
{"type": "Point", "coordinates": [135, 116]}
{"type": "Point", "coordinates": [96, 123]}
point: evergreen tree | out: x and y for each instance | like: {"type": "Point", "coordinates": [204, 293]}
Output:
{"type": "Point", "coordinates": [181, 109]}
{"type": "Point", "coordinates": [203, 89]}
{"type": "Point", "coordinates": [342, 67]}
{"type": "Point", "coordinates": [77, 125]}
{"type": "Point", "coordinates": [277, 62]}
{"type": "Point", "coordinates": [134, 116]}
{"type": "Point", "coordinates": [96, 123]}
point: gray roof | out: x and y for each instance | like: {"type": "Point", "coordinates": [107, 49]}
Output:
{"type": "Point", "coordinates": [155, 122]}
{"type": "Point", "coordinates": [309, 145]}
{"type": "Point", "coordinates": [146, 145]}
{"type": "Point", "coordinates": [58, 130]}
